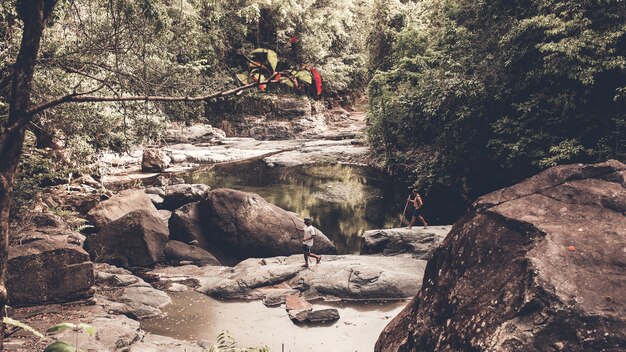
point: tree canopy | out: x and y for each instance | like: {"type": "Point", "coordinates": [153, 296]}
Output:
{"type": "Point", "coordinates": [479, 95]}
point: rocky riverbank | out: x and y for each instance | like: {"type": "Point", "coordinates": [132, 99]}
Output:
{"type": "Point", "coordinates": [183, 230]}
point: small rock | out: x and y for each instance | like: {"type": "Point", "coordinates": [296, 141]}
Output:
{"type": "Point", "coordinates": [323, 315]}
{"type": "Point", "coordinates": [154, 160]}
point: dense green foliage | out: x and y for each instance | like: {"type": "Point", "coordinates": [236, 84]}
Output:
{"type": "Point", "coordinates": [167, 48]}
{"type": "Point", "coordinates": [482, 94]}
{"type": "Point", "coordinates": [186, 47]}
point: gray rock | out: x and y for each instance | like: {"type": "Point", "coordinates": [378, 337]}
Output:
{"type": "Point", "coordinates": [185, 225]}
{"type": "Point", "coordinates": [176, 252]}
{"type": "Point", "coordinates": [144, 302]}
{"type": "Point", "coordinates": [42, 272]}
{"type": "Point", "coordinates": [160, 191]}
{"type": "Point", "coordinates": [119, 205]}
{"type": "Point", "coordinates": [156, 343]}
{"type": "Point", "coordinates": [181, 194]}
{"type": "Point", "coordinates": [197, 133]}
{"type": "Point", "coordinates": [136, 239]}
{"type": "Point", "coordinates": [273, 300]}
{"type": "Point", "coordinates": [536, 266]}
{"type": "Point", "coordinates": [350, 277]}
{"type": "Point", "coordinates": [165, 214]}
{"type": "Point", "coordinates": [154, 160]}
{"type": "Point", "coordinates": [120, 292]}
{"type": "Point", "coordinates": [157, 200]}
{"type": "Point", "coordinates": [322, 315]}
{"type": "Point", "coordinates": [112, 333]}
{"type": "Point", "coordinates": [418, 241]}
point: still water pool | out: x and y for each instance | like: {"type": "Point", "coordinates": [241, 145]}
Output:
{"type": "Point", "coordinates": [344, 201]}
{"type": "Point", "coordinates": [193, 316]}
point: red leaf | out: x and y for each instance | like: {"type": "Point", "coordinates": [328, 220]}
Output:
{"type": "Point", "coordinates": [277, 77]}
{"type": "Point", "coordinates": [293, 40]}
{"type": "Point", "coordinates": [318, 80]}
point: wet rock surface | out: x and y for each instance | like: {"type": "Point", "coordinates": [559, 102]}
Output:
{"type": "Point", "coordinates": [537, 266]}
{"type": "Point", "coordinates": [348, 277]}
{"type": "Point", "coordinates": [418, 241]}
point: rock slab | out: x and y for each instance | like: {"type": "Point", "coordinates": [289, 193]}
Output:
{"type": "Point", "coordinates": [538, 266]}
{"type": "Point", "coordinates": [418, 241]}
{"type": "Point", "coordinates": [47, 272]}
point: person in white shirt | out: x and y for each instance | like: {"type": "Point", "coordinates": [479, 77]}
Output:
{"type": "Point", "coordinates": [307, 242]}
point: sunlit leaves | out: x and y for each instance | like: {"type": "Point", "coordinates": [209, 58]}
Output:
{"type": "Point", "coordinates": [88, 329]}
{"type": "Point", "coordinates": [270, 56]}
{"type": "Point", "coordinates": [262, 64]}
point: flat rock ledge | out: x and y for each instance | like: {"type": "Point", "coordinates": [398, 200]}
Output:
{"type": "Point", "coordinates": [337, 277]}
{"type": "Point", "coordinates": [418, 241]}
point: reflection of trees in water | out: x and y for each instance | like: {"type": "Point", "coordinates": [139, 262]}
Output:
{"type": "Point", "coordinates": [344, 201]}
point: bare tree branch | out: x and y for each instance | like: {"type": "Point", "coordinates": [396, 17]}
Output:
{"type": "Point", "coordinates": [85, 97]}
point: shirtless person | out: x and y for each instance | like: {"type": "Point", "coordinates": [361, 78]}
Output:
{"type": "Point", "coordinates": [307, 242]}
{"type": "Point", "coordinates": [415, 198]}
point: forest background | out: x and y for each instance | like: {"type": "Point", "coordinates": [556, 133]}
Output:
{"type": "Point", "coordinates": [464, 96]}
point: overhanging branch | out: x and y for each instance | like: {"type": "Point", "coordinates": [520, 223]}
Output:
{"type": "Point", "coordinates": [85, 97]}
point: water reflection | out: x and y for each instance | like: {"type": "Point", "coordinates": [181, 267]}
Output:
{"type": "Point", "coordinates": [344, 201]}
{"type": "Point", "coordinates": [194, 316]}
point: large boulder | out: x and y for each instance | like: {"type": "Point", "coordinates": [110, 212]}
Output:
{"type": "Point", "coordinates": [118, 206]}
{"type": "Point", "coordinates": [135, 240]}
{"type": "Point", "coordinates": [154, 160]}
{"type": "Point", "coordinates": [237, 225]}
{"type": "Point", "coordinates": [534, 267]}
{"type": "Point", "coordinates": [47, 272]}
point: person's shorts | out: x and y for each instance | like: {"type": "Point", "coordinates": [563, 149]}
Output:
{"type": "Point", "coordinates": [306, 249]}
{"type": "Point", "coordinates": [417, 212]}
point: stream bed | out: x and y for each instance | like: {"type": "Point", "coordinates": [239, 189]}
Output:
{"type": "Point", "coordinates": [194, 316]}
{"type": "Point", "coordinates": [344, 201]}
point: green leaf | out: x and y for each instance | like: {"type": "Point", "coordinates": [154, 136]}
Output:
{"type": "Point", "coordinates": [243, 78]}
{"type": "Point", "coordinates": [61, 346]}
{"type": "Point", "coordinates": [304, 76]}
{"type": "Point", "coordinates": [272, 57]}
{"type": "Point", "coordinates": [288, 82]}
{"type": "Point", "coordinates": [88, 329]}
{"type": "Point", "coordinates": [21, 325]}
{"type": "Point", "coordinates": [61, 327]}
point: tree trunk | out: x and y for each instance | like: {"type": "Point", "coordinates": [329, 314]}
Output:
{"type": "Point", "coordinates": [34, 14]}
